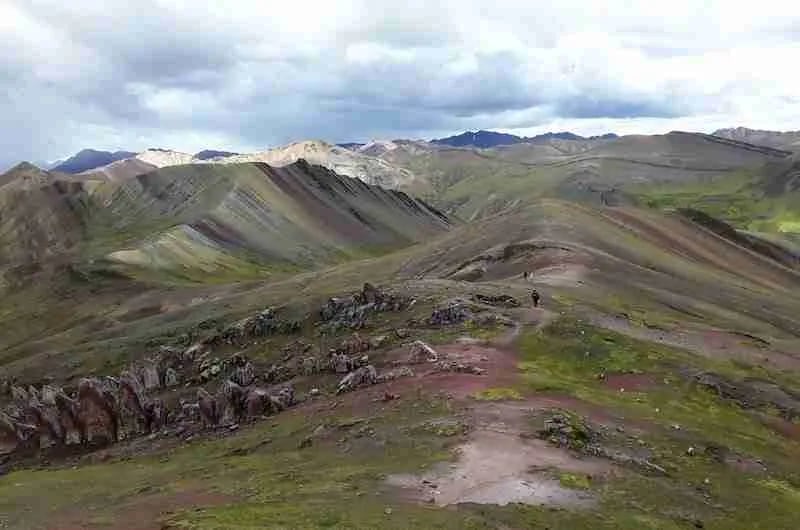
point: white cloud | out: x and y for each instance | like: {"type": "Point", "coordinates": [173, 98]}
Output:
{"type": "Point", "coordinates": [180, 73]}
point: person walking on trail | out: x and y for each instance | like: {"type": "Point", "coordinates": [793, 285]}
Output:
{"type": "Point", "coordinates": [535, 297]}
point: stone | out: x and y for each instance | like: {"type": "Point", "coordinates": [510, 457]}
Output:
{"type": "Point", "coordinates": [244, 375]}
{"type": "Point", "coordinates": [314, 392]}
{"type": "Point", "coordinates": [419, 352]}
{"type": "Point", "coordinates": [453, 312]}
{"type": "Point", "coordinates": [502, 300]}
{"type": "Point", "coordinates": [171, 378]}
{"type": "Point", "coordinates": [396, 373]}
{"type": "Point", "coordinates": [363, 376]}
{"type": "Point", "coordinates": [342, 364]}
{"type": "Point", "coordinates": [97, 406]}
{"type": "Point", "coordinates": [148, 374]}
{"type": "Point", "coordinates": [311, 366]}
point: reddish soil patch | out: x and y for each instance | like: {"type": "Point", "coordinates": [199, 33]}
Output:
{"type": "Point", "coordinates": [146, 512]}
{"type": "Point", "coordinates": [631, 382]}
{"type": "Point", "coordinates": [787, 429]}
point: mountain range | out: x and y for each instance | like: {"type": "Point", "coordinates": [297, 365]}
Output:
{"type": "Point", "coordinates": [326, 335]}
{"type": "Point", "coordinates": [321, 152]}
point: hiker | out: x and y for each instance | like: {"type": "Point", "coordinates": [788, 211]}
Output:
{"type": "Point", "coordinates": [535, 297]}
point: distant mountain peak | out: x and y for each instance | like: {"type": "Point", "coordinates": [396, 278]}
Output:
{"type": "Point", "coordinates": [208, 154]}
{"type": "Point", "coordinates": [482, 139]}
{"type": "Point", "coordinates": [87, 159]}
{"type": "Point", "coordinates": [23, 167]}
{"type": "Point", "coordinates": [487, 139]}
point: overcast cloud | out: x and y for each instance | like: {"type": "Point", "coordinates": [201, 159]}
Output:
{"type": "Point", "coordinates": [243, 75]}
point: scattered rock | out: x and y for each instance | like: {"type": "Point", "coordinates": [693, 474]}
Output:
{"type": "Point", "coordinates": [453, 312]}
{"type": "Point", "coordinates": [502, 300]}
{"type": "Point", "coordinates": [305, 442]}
{"type": "Point", "coordinates": [364, 376]}
{"type": "Point", "coordinates": [419, 352]}
{"type": "Point", "coordinates": [566, 430]}
{"type": "Point", "coordinates": [171, 378]}
{"type": "Point", "coordinates": [319, 431]}
{"type": "Point", "coordinates": [388, 396]}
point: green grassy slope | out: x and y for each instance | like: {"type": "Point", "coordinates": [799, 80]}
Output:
{"type": "Point", "coordinates": [762, 200]}
{"type": "Point", "coordinates": [476, 183]}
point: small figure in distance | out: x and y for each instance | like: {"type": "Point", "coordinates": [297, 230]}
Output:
{"type": "Point", "coordinates": [527, 275]}
{"type": "Point", "coordinates": [535, 297]}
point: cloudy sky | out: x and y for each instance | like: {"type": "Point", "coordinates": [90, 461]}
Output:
{"type": "Point", "coordinates": [243, 75]}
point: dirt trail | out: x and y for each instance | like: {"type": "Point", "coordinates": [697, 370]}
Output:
{"type": "Point", "coordinates": [500, 463]}
{"type": "Point", "coordinates": [537, 318]}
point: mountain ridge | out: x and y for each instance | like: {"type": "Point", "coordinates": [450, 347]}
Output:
{"type": "Point", "coordinates": [487, 139]}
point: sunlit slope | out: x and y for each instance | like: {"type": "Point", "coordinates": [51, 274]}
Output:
{"type": "Point", "coordinates": [208, 218]}
{"type": "Point", "coordinates": [764, 200]}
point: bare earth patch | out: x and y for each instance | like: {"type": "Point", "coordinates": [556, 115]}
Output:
{"type": "Point", "coordinates": [501, 468]}
{"type": "Point", "coordinates": [631, 382]}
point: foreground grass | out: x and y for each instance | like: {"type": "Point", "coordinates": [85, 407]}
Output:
{"type": "Point", "coordinates": [569, 357]}
{"type": "Point", "coordinates": [261, 478]}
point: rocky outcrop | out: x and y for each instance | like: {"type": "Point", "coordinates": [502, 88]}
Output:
{"type": "Point", "coordinates": [244, 375]}
{"type": "Point", "coordinates": [145, 414]}
{"type": "Point", "coordinates": [352, 312]}
{"type": "Point", "coordinates": [263, 324]}
{"type": "Point", "coordinates": [110, 408]}
{"type": "Point", "coordinates": [97, 406]}
{"type": "Point", "coordinates": [15, 435]}
{"type": "Point", "coordinates": [452, 312]}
